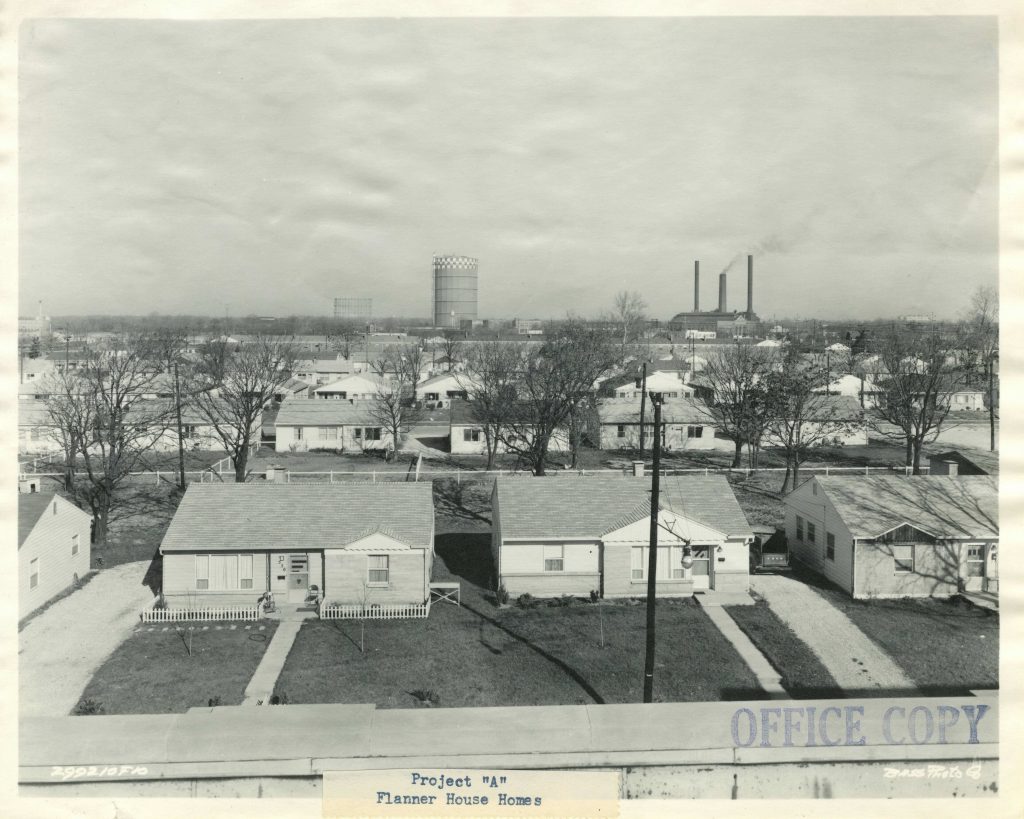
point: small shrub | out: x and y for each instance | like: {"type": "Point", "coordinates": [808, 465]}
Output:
{"type": "Point", "coordinates": [213, 702]}
{"type": "Point", "coordinates": [87, 708]}
{"type": "Point", "coordinates": [427, 697]}
{"type": "Point", "coordinates": [562, 602]}
{"type": "Point", "coordinates": [279, 699]}
{"type": "Point", "coordinates": [501, 596]}
{"type": "Point", "coordinates": [595, 596]}
{"type": "Point", "coordinates": [527, 601]}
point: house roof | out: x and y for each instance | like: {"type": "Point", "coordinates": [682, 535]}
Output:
{"type": "Point", "coordinates": [314, 412]}
{"type": "Point", "coordinates": [833, 408]}
{"type": "Point", "coordinates": [945, 507]}
{"type": "Point", "coordinates": [354, 378]}
{"type": "Point", "coordinates": [988, 462]}
{"type": "Point", "coordinates": [31, 506]}
{"type": "Point", "coordinates": [590, 507]}
{"type": "Point", "coordinates": [459, 378]}
{"type": "Point", "coordinates": [324, 365]}
{"type": "Point", "coordinates": [673, 411]}
{"type": "Point", "coordinates": [242, 517]}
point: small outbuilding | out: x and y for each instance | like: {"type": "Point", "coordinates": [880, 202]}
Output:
{"type": "Point", "coordinates": [53, 547]}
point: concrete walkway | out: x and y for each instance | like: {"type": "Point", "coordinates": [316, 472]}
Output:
{"type": "Point", "coordinates": [856, 663]}
{"type": "Point", "coordinates": [261, 687]}
{"type": "Point", "coordinates": [61, 648]}
{"type": "Point", "coordinates": [767, 677]}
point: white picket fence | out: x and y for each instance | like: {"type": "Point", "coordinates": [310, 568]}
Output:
{"type": "Point", "coordinates": [207, 614]}
{"type": "Point", "coordinates": [336, 611]}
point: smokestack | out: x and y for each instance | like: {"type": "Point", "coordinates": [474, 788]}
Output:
{"type": "Point", "coordinates": [750, 286]}
{"type": "Point", "coordinates": [696, 287]}
{"type": "Point", "coordinates": [721, 293]}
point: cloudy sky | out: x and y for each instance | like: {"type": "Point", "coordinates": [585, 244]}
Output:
{"type": "Point", "coordinates": [267, 167]}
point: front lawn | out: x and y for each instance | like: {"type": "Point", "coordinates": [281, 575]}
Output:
{"type": "Point", "coordinates": [152, 672]}
{"type": "Point", "coordinates": [803, 674]}
{"type": "Point", "coordinates": [947, 647]}
{"type": "Point", "coordinates": [481, 656]}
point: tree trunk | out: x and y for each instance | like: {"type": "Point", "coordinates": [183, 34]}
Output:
{"type": "Point", "coordinates": [917, 457]}
{"type": "Point", "coordinates": [737, 456]}
{"type": "Point", "coordinates": [491, 447]}
{"type": "Point", "coordinates": [991, 409]}
{"type": "Point", "coordinates": [101, 525]}
{"type": "Point", "coordinates": [796, 471]}
{"type": "Point", "coordinates": [910, 451]}
{"type": "Point", "coordinates": [785, 478]}
{"type": "Point", "coordinates": [240, 462]}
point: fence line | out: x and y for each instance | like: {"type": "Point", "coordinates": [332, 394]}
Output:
{"type": "Point", "coordinates": [335, 611]}
{"type": "Point", "coordinates": [203, 615]}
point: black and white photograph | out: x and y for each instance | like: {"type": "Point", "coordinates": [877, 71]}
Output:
{"type": "Point", "coordinates": [455, 412]}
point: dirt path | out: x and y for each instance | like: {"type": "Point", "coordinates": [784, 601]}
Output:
{"type": "Point", "coordinates": [855, 662]}
{"type": "Point", "coordinates": [60, 649]}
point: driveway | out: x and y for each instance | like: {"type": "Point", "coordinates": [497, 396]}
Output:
{"type": "Point", "coordinates": [60, 649]}
{"type": "Point", "coordinates": [855, 662]}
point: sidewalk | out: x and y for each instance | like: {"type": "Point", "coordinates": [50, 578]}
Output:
{"type": "Point", "coordinates": [856, 663]}
{"type": "Point", "coordinates": [767, 677]}
{"type": "Point", "coordinates": [261, 687]}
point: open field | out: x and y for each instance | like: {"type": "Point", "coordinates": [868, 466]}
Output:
{"type": "Point", "coordinates": [152, 672]}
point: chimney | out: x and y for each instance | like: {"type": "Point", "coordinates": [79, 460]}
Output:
{"type": "Point", "coordinates": [696, 287]}
{"type": "Point", "coordinates": [721, 293]}
{"type": "Point", "coordinates": [277, 474]}
{"type": "Point", "coordinates": [750, 287]}
{"type": "Point", "coordinates": [952, 468]}
{"type": "Point", "coordinates": [638, 469]}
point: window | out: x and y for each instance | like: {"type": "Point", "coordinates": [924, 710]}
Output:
{"type": "Point", "coordinates": [188, 431]}
{"type": "Point", "coordinates": [554, 558]}
{"type": "Point", "coordinates": [377, 570]}
{"type": "Point", "coordinates": [675, 562]}
{"type": "Point", "coordinates": [245, 571]}
{"type": "Point", "coordinates": [372, 433]}
{"type": "Point", "coordinates": [975, 561]}
{"type": "Point", "coordinates": [811, 534]}
{"type": "Point", "coordinates": [202, 572]}
{"type": "Point", "coordinates": [621, 431]}
{"type": "Point", "coordinates": [298, 433]}
{"type": "Point", "coordinates": [74, 544]}
{"type": "Point", "coordinates": [637, 563]}
{"type": "Point", "coordinates": [470, 435]}
{"type": "Point", "coordinates": [358, 433]}
{"type": "Point", "coordinates": [830, 546]}
{"type": "Point", "coordinates": [328, 433]}
{"type": "Point", "coordinates": [694, 432]}
{"type": "Point", "coordinates": [799, 528]}
{"type": "Point", "coordinates": [903, 558]}
{"type": "Point", "coordinates": [33, 573]}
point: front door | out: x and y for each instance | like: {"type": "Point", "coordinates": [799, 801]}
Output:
{"type": "Point", "coordinates": [974, 567]}
{"type": "Point", "coordinates": [298, 577]}
{"type": "Point", "coordinates": [701, 567]}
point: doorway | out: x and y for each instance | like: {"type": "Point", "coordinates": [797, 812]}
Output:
{"type": "Point", "coordinates": [974, 567]}
{"type": "Point", "coordinates": [298, 577]}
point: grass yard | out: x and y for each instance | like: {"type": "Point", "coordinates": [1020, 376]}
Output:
{"type": "Point", "coordinates": [138, 524]}
{"type": "Point", "coordinates": [946, 647]}
{"type": "Point", "coordinates": [152, 672]}
{"type": "Point", "coordinates": [484, 657]}
{"type": "Point", "coordinates": [803, 674]}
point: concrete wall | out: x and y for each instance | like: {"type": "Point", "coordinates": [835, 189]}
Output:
{"type": "Point", "coordinates": [51, 542]}
{"type": "Point", "coordinates": [345, 574]}
{"type": "Point", "coordinates": [818, 509]}
{"type": "Point", "coordinates": [179, 583]}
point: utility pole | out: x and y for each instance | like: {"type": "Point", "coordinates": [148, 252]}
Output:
{"type": "Point", "coordinates": [181, 443]}
{"type": "Point", "coordinates": [643, 408]}
{"type": "Point", "coordinates": [652, 558]}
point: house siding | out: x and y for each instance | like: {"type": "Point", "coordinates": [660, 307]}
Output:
{"type": "Point", "coordinates": [559, 441]}
{"type": "Point", "coordinates": [522, 569]}
{"type": "Point", "coordinates": [50, 542]}
{"type": "Point", "coordinates": [286, 440]}
{"type": "Point", "coordinates": [818, 509]}
{"type": "Point", "coordinates": [345, 573]}
{"type": "Point", "coordinates": [676, 437]}
{"type": "Point", "coordinates": [937, 568]}
{"type": "Point", "coordinates": [179, 582]}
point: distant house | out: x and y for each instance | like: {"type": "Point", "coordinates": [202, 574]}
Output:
{"type": "Point", "coordinates": [292, 388]}
{"type": "Point", "coordinates": [467, 435]}
{"type": "Point", "coordinates": [442, 388]}
{"type": "Point", "coordinates": [358, 543]}
{"type": "Point", "coordinates": [890, 536]}
{"type": "Point", "coordinates": [859, 387]}
{"type": "Point", "coordinates": [687, 424]}
{"type": "Point", "coordinates": [302, 426]}
{"type": "Point", "coordinates": [53, 548]}
{"type": "Point", "coordinates": [956, 463]}
{"type": "Point", "coordinates": [35, 368]}
{"type": "Point", "coordinates": [830, 420]}
{"type": "Point", "coordinates": [318, 371]}
{"type": "Point", "coordinates": [670, 383]}
{"type": "Point", "coordinates": [356, 387]}
{"type": "Point", "coordinates": [570, 535]}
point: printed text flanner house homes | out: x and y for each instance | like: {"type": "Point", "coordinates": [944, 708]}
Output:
{"type": "Point", "coordinates": [570, 535]}
{"type": "Point", "coordinates": [890, 536]}
{"type": "Point", "coordinates": [358, 543]}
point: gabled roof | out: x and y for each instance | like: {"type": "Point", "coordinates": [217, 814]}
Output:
{"type": "Point", "coordinates": [673, 411]}
{"type": "Point", "coordinates": [590, 507]}
{"type": "Point", "coordinates": [945, 507]}
{"type": "Point", "coordinates": [313, 412]}
{"type": "Point", "coordinates": [337, 386]}
{"type": "Point", "coordinates": [242, 517]}
{"type": "Point", "coordinates": [31, 506]}
{"type": "Point", "coordinates": [833, 408]}
{"type": "Point", "coordinates": [460, 378]}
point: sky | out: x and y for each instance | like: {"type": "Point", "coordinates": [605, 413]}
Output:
{"type": "Point", "coordinates": [268, 167]}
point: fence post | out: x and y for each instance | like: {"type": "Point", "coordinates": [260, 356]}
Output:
{"type": "Point", "coordinates": [826, 470]}
{"type": "Point", "coordinates": [705, 472]}
{"type": "Point", "coordinates": [458, 476]}
{"type": "Point", "coordinates": [375, 476]}
{"type": "Point", "coordinates": [158, 477]}
{"type": "Point", "coordinates": [332, 476]}
{"type": "Point", "coordinates": [866, 470]}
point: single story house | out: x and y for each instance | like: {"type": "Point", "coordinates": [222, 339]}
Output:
{"type": "Point", "coordinates": [892, 536]}
{"type": "Point", "coordinates": [853, 386]}
{"type": "Point", "coordinates": [686, 424]}
{"type": "Point", "coordinates": [467, 436]}
{"type": "Point", "coordinates": [956, 463]}
{"type": "Point", "coordinates": [670, 383]}
{"type": "Point", "coordinates": [573, 534]}
{"type": "Point", "coordinates": [292, 388]}
{"type": "Point", "coordinates": [301, 426]}
{"type": "Point", "coordinates": [53, 547]}
{"type": "Point", "coordinates": [355, 387]}
{"type": "Point", "coordinates": [358, 543]}
{"type": "Point", "coordinates": [442, 388]}
{"type": "Point", "coordinates": [34, 368]}
{"type": "Point", "coordinates": [830, 420]}
{"type": "Point", "coordinates": [317, 371]}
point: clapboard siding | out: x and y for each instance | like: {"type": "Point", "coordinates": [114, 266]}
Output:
{"type": "Point", "coordinates": [50, 541]}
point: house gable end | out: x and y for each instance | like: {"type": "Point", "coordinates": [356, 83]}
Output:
{"type": "Point", "coordinates": [376, 541]}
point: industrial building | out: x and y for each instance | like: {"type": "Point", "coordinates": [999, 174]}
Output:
{"type": "Point", "coordinates": [353, 308]}
{"type": "Point", "coordinates": [721, 322]}
{"type": "Point", "coordinates": [455, 291]}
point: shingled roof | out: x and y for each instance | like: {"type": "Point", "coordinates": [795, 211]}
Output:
{"type": "Point", "coordinates": [673, 411]}
{"type": "Point", "coordinates": [241, 517]}
{"type": "Point", "coordinates": [31, 506]}
{"type": "Point", "coordinates": [944, 507]}
{"type": "Point", "coordinates": [590, 507]}
{"type": "Point", "coordinates": [324, 412]}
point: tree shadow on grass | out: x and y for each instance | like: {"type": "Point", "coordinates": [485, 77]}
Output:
{"type": "Point", "coordinates": [153, 579]}
{"type": "Point", "coordinates": [461, 500]}
{"type": "Point", "coordinates": [467, 555]}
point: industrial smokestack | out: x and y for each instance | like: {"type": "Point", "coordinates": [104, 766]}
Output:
{"type": "Point", "coordinates": [696, 287]}
{"type": "Point", "coordinates": [721, 292]}
{"type": "Point", "coordinates": [750, 286]}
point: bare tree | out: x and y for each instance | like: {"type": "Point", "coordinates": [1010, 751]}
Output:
{"type": "Point", "coordinates": [981, 340]}
{"type": "Point", "coordinates": [919, 375]}
{"type": "Point", "coordinates": [393, 407]}
{"type": "Point", "coordinates": [100, 416]}
{"type": "Point", "coordinates": [800, 419]}
{"type": "Point", "coordinates": [239, 388]}
{"type": "Point", "coordinates": [452, 348]}
{"type": "Point", "coordinates": [733, 390]}
{"type": "Point", "coordinates": [629, 310]}
{"type": "Point", "coordinates": [343, 337]}
{"type": "Point", "coordinates": [492, 371]}
{"type": "Point", "coordinates": [552, 382]}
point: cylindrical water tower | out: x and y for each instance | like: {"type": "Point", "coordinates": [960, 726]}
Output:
{"type": "Point", "coordinates": [455, 289]}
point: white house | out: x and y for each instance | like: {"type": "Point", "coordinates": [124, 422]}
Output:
{"type": "Point", "coordinates": [571, 535]}
{"type": "Point", "coordinates": [356, 387]}
{"type": "Point", "coordinates": [686, 424]}
{"type": "Point", "coordinates": [853, 386]}
{"type": "Point", "coordinates": [330, 425]}
{"type": "Point", "coordinates": [829, 420]}
{"type": "Point", "coordinates": [440, 389]}
{"type": "Point", "coordinates": [467, 436]}
{"type": "Point", "coordinates": [670, 383]}
{"type": "Point", "coordinates": [53, 547]}
{"type": "Point", "coordinates": [318, 371]}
